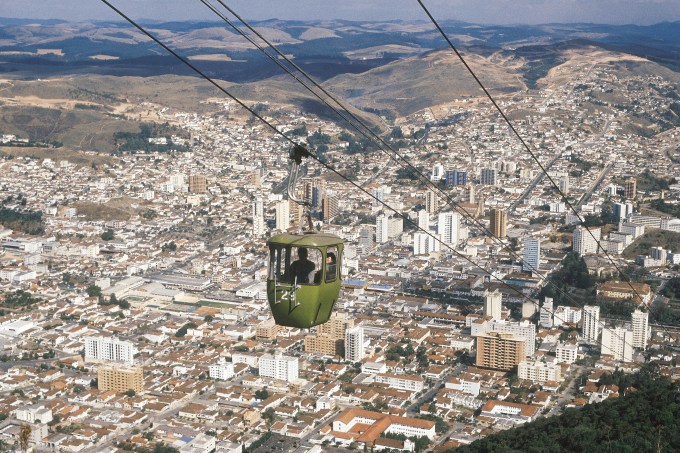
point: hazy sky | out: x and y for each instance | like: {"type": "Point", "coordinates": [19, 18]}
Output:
{"type": "Point", "coordinates": [478, 11]}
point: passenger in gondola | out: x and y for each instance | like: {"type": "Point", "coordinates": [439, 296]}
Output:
{"type": "Point", "coordinates": [302, 267]}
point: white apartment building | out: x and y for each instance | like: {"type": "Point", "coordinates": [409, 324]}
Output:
{"type": "Point", "coordinates": [424, 220]}
{"type": "Point", "coordinates": [278, 366]}
{"type": "Point", "coordinates": [424, 244]}
{"type": "Point", "coordinates": [617, 342]}
{"type": "Point", "coordinates": [401, 382]}
{"type": "Point", "coordinates": [546, 313]}
{"type": "Point", "coordinates": [221, 371]}
{"type": "Point", "coordinates": [448, 227]}
{"type": "Point", "coordinates": [258, 218]}
{"type": "Point", "coordinates": [566, 353]}
{"type": "Point", "coordinates": [532, 254]}
{"type": "Point", "coordinates": [539, 371]}
{"type": "Point", "coordinates": [585, 240]}
{"type": "Point", "coordinates": [109, 349]}
{"type": "Point", "coordinates": [641, 329]}
{"type": "Point", "coordinates": [591, 323]}
{"type": "Point", "coordinates": [387, 228]}
{"type": "Point", "coordinates": [282, 215]}
{"type": "Point", "coordinates": [492, 305]}
{"type": "Point", "coordinates": [564, 314]}
{"type": "Point", "coordinates": [354, 344]}
{"type": "Point", "coordinates": [469, 386]}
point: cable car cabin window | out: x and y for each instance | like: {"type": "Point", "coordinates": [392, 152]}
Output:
{"type": "Point", "coordinates": [331, 264]}
{"type": "Point", "coordinates": [295, 265]}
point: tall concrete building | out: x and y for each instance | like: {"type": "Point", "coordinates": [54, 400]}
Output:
{"type": "Point", "coordinates": [641, 332]}
{"type": "Point", "coordinates": [282, 215]}
{"type": "Point", "coordinates": [120, 378]}
{"type": "Point", "coordinates": [621, 211]}
{"type": "Point", "coordinates": [354, 344]}
{"type": "Point", "coordinates": [564, 314]}
{"type": "Point", "coordinates": [523, 330]}
{"type": "Point", "coordinates": [591, 323]}
{"type": "Point", "coordinates": [630, 188]}
{"type": "Point", "coordinates": [546, 315]}
{"type": "Point", "coordinates": [500, 351]}
{"type": "Point", "coordinates": [279, 366]}
{"type": "Point", "coordinates": [564, 184]}
{"type": "Point", "coordinates": [106, 349]}
{"type": "Point", "coordinates": [379, 194]}
{"type": "Point", "coordinates": [456, 178]}
{"type": "Point", "coordinates": [448, 227]}
{"type": "Point", "coordinates": [424, 243]}
{"type": "Point", "coordinates": [617, 342]}
{"type": "Point", "coordinates": [329, 205]}
{"type": "Point", "coordinates": [366, 238]}
{"type": "Point", "coordinates": [488, 176]}
{"type": "Point", "coordinates": [469, 194]}
{"type": "Point", "coordinates": [499, 223]}
{"type": "Point", "coordinates": [382, 227]}
{"type": "Point", "coordinates": [330, 336]}
{"type": "Point", "coordinates": [258, 218]}
{"type": "Point", "coordinates": [423, 220]}
{"type": "Point", "coordinates": [493, 305]}
{"type": "Point", "coordinates": [387, 228]}
{"type": "Point", "coordinates": [431, 202]}
{"type": "Point", "coordinates": [532, 255]}
{"type": "Point", "coordinates": [585, 241]}
{"type": "Point", "coordinates": [198, 184]}
{"type": "Point", "coordinates": [437, 172]}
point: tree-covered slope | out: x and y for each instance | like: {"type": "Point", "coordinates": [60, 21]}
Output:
{"type": "Point", "coordinates": [645, 420]}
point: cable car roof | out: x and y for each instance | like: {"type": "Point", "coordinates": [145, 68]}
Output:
{"type": "Point", "coordinates": [306, 240]}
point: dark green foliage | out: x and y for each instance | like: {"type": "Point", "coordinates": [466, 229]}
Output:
{"type": "Point", "coordinates": [107, 235]}
{"type": "Point", "coordinates": [648, 181]}
{"type": "Point", "coordinates": [94, 291]}
{"type": "Point", "coordinates": [19, 298]}
{"type": "Point", "coordinates": [672, 288]}
{"type": "Point", "coordinates": [29, 222]}
{"type": "Point", "coordinates": [573, 273]}
{"type": "Point", "coordinates": [318, 138]}
{"type": "Point", "coordinates": [620, 309]}
{"type": "Point", "coordinates": [262, 394]}
{"type": "Point", "coordinates": [406, 173]}
{"type": "Point", "coordinates": [259, 442]}
{"type": "Point", "coordinates": [668, 208]}
{"type": "Point", "coordinates": [169, 247]}
{"type": "Point", "coordinates": [183, 330]}
{"type": "Point", "coordinates": [133, 142]}
{"type": "Point", "coordinates": [581, 164]}
{"type": "Point", "coordinates": [396, 132]}
{"type": "Point", "coordinates": [299, 132]}
{"type": "Point", "coordinates": [641, 421]}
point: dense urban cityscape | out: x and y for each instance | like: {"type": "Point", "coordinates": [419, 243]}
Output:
{"type": "Point", "coordinates": [133, 286]}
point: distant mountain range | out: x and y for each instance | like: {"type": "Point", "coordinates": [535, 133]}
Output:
{"type": "Point", "coordinates": [33, 48]}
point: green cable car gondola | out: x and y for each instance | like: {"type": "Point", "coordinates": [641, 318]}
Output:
{"type": "Point", "coordinates": [304, 277]}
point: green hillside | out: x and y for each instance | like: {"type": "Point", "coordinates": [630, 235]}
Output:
{"type": "Point", "coordinates": [644, 420]}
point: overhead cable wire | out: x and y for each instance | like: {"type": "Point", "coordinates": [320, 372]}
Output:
{"type": "Point", "coordinates": [528, 149]}
{"type": "Point", "coordinates": [373, 137]}
{"type": "Point", "coordinates": [364, 130]}
{"type": "Point", "coordinates": [316, 158]}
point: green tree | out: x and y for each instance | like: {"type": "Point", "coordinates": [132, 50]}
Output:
{"type": "Point", "coordinates": [107, 235]}
{"type": "Point", "coordinates": [94, 291]}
